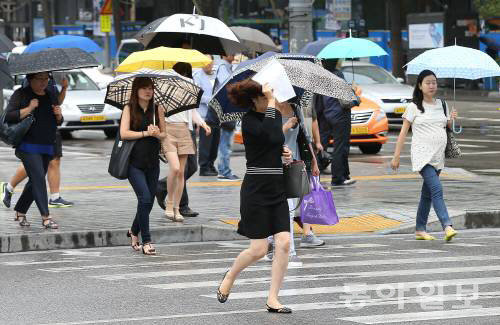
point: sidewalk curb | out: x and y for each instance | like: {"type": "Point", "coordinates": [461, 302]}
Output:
{"type": "Point", "coordinates": [466, 220]}
{"type": "Point", "coordinates": [113, 237]}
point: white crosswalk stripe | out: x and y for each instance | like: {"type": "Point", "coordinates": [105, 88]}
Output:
{"type": "Point", "coordinates": [364, 283]}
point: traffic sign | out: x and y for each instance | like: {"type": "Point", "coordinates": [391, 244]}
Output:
{"type": "Point", "coordinates": [105, 23]}
{"type": "Point", "coordinates": [106, 8]}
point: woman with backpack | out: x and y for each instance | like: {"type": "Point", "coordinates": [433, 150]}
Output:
{"type": "Point", "coordinates": [428, 118]}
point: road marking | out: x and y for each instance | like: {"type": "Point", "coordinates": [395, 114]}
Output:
{"type": "Point", "coordinates": [328, 276]}
{"type": "Point", "coordinates": [426, 315]}
{"type": "Point", "coordinates": [362, 288]}
{"type": "Point", "coordinates": [398, 261]}
{"type": "Point", "coordinates": [487, 170]}
{"type": "Point", "coordinates": [228, 259]}
{"type": "Point", "coordinates": [296, 307]}
{"type": "Point", "coordinates": [24, 263]}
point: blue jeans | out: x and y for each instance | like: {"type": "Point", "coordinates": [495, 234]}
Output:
{"type": "Point", "coordinates": [144, 183]}
{"type": "Point", "coordinates": [432, 193]}
{"type": "Point", "coordinates": [226, 138]}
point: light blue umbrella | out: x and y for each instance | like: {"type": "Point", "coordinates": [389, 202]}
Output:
{"type": "Point", "coordinates": [455, 62]}
{"type": "Point", "coordinates": [351, 47]}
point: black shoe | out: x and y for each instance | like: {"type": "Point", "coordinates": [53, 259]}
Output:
{"type": "Point", "coordinates": [5, 194]}
{"type": "Point", "coordinates": [187, 212]}
{"type": "Point", "coordinates": [282, 310]}
{"type": "Point", "coordinates": [161, 195]}
{"type": "Point", "coordinates": [208, 173]}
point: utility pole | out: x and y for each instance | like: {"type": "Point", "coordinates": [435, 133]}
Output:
{"type": "Point", "coordinates": [300, 24]}
{"type": "Point", "coordinates": [132, 10]}
{"type": "Point", "coordinates": [396, 43]}
{"type": "Point", "coordinates": [47, 18]}
{"type": "Point", "coordinates": [117, 21]}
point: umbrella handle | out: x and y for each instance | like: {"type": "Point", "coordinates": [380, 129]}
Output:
{"type": "Point", "coordinates": [454, 128]}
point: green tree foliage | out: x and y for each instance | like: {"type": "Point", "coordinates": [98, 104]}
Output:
{"type": "Point", "coordinates": [487, 8]}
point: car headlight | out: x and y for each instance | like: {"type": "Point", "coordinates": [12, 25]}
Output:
{"type": "Point", "coordinates": [380, 116]}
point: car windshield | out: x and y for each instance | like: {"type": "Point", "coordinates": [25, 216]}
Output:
{"type": "Point", "coordinates": [129, 48]}
{"type": "Point", "coordinates": [77, 80]}
{"type": "Point", "coordinates": [367, 75]}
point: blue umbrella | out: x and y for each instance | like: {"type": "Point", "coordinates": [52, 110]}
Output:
{"type": "Point", "coordinates": [62, 42]}
{"type": "Point", "coordinates": [351, 47]}
{"type": "Point", "coordinates": [313, 48]}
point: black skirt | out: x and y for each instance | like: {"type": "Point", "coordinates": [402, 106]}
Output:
{"type": "Point", "coordinates": [263, 206]}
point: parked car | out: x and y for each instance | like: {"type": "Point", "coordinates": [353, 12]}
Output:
{"type": "Point", "coordinates": [83, 107]}
{"type": "Point", "coordinates": [380, 87]}
{"type": "Point", "coordinates": [368, 131]}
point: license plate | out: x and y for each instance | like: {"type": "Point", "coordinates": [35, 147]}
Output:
{"type": "Point", "coordinates": [359, 130]}
{"type": "Point", "coordinates": [93, 118]}
{"type": "Point", "coordinates": [399, 110]}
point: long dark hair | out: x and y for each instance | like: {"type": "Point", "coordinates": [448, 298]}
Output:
{"type": "Point", "coordinates": [418, 95]}
{"type": "Point", "coordinates": [135, 109]}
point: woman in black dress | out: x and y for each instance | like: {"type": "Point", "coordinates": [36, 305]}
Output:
{"type": "Point", "coordinates": [263, 206]}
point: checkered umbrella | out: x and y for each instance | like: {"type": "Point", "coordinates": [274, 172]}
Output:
{"type": "Point", "coordinates": [171, 90]}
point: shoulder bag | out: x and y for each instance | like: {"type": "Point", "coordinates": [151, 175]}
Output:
{"type": "Point", "coordinates": [13, 133]}
{"type": "Point", "coordinates": [120, 157]}
{"type": "Point", "coordinates": [452, 148]}
{"type": "Point", "coordinates": [296, 180]}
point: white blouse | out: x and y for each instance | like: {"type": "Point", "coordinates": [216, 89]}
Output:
{"type": "Point", "coordinates": [190, 116]}
{"type": "Point", "coordinates": [428, 134]}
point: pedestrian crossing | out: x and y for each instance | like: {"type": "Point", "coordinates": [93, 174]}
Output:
{"type": "Point", "coordinates": [369, 280]}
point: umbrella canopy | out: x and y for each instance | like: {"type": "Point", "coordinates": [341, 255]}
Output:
{"type": "Point", "coordinates": [205, 34]}
{"type": "Point", "coordinates": [455, 62]}
{"type": "Point", "coordinates": [254, 40]}
{"type": "Point", "coordinates": [162, 58]}
{"type": "Point", "coordinates": [305, 74]}
{"type": "Point", "coordinates": [313, 48]}
{"type": "Point", "coordinates": [51, 60]}
{"type": "Point", "coordinates": [63, 42]}
{"type": "Point", "coordinates": [6, 45]}
{"type": "Point", "coordinates": [351, 47]}
{"type": "Point", "coordinates": [171, 90]}
{"type": "Point", "coordinates": [5, 76]}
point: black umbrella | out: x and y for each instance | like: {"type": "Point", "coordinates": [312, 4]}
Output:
{"type": "Point", "coordinates": [6, 45]}
{"type": "Point", "coordinates": [4, 73]}
{"type": "Point", "coordinates": [205, 34]}
{"type": "Point", "coordinates": [51, 60]}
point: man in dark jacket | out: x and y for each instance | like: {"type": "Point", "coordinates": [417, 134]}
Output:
{"type": "Point", "coordinates": [334, 119]}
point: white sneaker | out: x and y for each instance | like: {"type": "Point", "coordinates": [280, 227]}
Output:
{"type": "Point", "coordinates": [294, 261]}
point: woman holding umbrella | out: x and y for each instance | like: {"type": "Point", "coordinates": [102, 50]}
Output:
{"type": "Point", "coordinates": [37, 147]}
{"type": "Point", "coordinates": [428, 120]}
{"type": "Point", "coordinates": [264, 208]}
{"type": "Point", "coordinates": [177, 146]}
{"type": "Point", "coordinates": [138, 123]}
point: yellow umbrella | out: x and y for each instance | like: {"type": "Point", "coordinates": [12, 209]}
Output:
{"type": "Point", "coordinates": [162, 58]}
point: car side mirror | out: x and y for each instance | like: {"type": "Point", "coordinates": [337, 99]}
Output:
{"type": "Point", "coordinates": [400, 80]}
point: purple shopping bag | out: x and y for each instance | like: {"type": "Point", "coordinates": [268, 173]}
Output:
{"type": "Point", "coordinates": [317, 208]}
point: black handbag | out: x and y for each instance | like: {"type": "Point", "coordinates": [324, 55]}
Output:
{"type": "Point", "coordinates": [120, 157]}
{"type": "Point", "coordinates": [13, 133]}
{"type": "Point", "coordinates": [296, 179]}
{"type": "Point", "coordinates": [452, 149]}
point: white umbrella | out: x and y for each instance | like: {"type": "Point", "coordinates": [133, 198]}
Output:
{"type": "Point", "coordinates": [254, 40]}
{"type": "Point", "coordinates": [455, 62]}
{"type": "Point", "coordinates": [206, 34]}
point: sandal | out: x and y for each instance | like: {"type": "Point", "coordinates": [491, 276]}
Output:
{"type": "Point", "coordinates": [220, 296]}
{"type": "Point", "coordinates": [24, 222]}
{"type": "Point", "coordinates": [48, 223]}
{"type": "Point", "coordinates": [282, 310]}
{"type": "Point", "coordinates": [135, 246]}
{"type": "Point", "coordinates": [150, 251]}
{"type": "Point", "coordinates": [178, 216]}
{"type": "Point", "coordinates": [169, 210]}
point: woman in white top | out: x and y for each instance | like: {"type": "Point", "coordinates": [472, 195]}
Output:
{"type": "Point", "coordinates": [428, 121]}
{"type": "Point", "coordinates": [177, 145]}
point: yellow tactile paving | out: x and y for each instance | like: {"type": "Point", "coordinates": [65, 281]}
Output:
{"type": "Point", "coordinates": [357, 224]}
